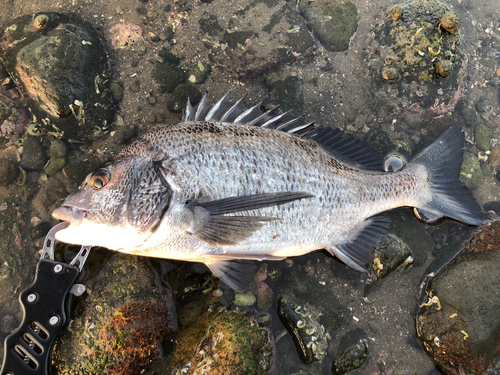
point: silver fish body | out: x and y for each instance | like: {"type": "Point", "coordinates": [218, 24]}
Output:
{"type": "Point", "coordinates": [250, 186]}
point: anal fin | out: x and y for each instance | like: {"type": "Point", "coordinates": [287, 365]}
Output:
{"type": "Point", "coordinates": [357, 252]}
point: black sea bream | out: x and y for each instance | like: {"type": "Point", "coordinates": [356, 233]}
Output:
{"type": "Point", "coordinates": [229, 183]}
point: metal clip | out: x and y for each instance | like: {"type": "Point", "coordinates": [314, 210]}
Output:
{"type": "Point", "coordinates": [49, 244]}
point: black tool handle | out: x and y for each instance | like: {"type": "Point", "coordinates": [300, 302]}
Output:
{"type": "Point", "coordinates": [28, 350]}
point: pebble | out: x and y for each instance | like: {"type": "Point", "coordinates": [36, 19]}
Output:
{"type": "Point", "coordinates": [135, 86]}
{"type": "Point", "coordinates": [33, 158]}
{"type": "Point", "coordinates": [58, 149]}
{"type": "Point", "coordinates": [8, 172]}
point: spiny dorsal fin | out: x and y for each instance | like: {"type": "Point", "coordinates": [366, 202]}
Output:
{"type": "Point", "coordinates": [344, 148]}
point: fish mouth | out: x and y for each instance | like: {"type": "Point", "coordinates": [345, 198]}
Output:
{"type": "Point", "coordinates": [72, 215]}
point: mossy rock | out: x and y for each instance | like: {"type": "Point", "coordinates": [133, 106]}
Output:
{"type": "Point", "coordinates": [471, 172]}
{"type": "Point", "coordinates": [483, 135]}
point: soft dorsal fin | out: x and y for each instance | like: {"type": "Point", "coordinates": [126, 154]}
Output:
{"type": "Point", "coordinates": [344, 148]}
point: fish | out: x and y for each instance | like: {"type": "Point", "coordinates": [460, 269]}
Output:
{"type": "Point", "coordinates": [229, 185]}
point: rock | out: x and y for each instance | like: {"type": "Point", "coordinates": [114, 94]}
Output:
{"type": "Point", "coordinates": [168, 76]}
{"type": "Point", "coordinates": [13, 120]}
{"type": "Point", "coordinates": [119, 324]}
{"type": "Point", "coordinates": [444, 68]}
{"type": "Point", "coordinates": [288, 94]}
{"type": "Point", "coordinates": [471, 172]}
{"type": "Point", "coordinates": [199, 73]}
{"type": "Point", "coordinates": [116, 90]}
{"type": "Point", "coordinates": [33, 157]}
{"type": "Point", "coordinates": [233, 342]}
{"type": "Point", "coordinates": [334, 21]}
{"type": "Point", "coordinates": [360, 121]}
{"type": "Point", "coordinates": [458, 321]}
{"type": "Point", "coordinates": [58, 149]}
{"type": "Point", "coordinates": [177, 101]}
{"type": "Point", "coordinates": [265, 296]}
{"type": "Point", "coordinates": [50, 194]}
{"type": "Point", "coordinates": [8, 172]}
{"type": "Point", "coordinates": [264, 319]}
{"type": "Point", "coordinates": [125, 133]}
{"type": "Point", "coordinates": [483, 135]}
{"type": "Point", "coordinates": [189, 313]}
{"type": "Point", "coordinates": [470, 116]}
{"type": "Point", "coordinates": [390, 74]}
{"type": "Point", "coordinates": [494, 158]}
{"type": "Point", "coordinates": [410, 44]}
{"type": "Point", "coordinates": [61, 71]}
{"type": "Point", "coordinates": [451, 22]}
{"type": "Point", "coordinates": [135, 86]}
{"type": "Point", "coordinates": [54, 165]}
{"type": "Point", "coordinates": [355, 351]}
{"type": "Point", "coordinates": [388, 255]}
{"type": "Point", "coordinates": [124, 35]}
{"type": "Point", "coordinates": [244, 299]}
{"type": "Point", "coordinates": [302, 324]}
{"type": "Point", "coordinates": [246, 48]}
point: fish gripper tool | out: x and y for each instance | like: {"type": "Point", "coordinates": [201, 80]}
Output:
{"type": "Point", "coordinates": [45, 306]}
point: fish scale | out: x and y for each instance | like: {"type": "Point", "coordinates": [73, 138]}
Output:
{"type": "Point", "coordinates": [265, 186]}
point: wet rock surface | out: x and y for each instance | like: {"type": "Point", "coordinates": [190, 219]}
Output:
{"type": "Point", "coordinates": [458, 320]}
{"type": "Point", "coordinates": [335, 89]}
{"type": "Point", "coordinates": [415, 54]}
{"type": "Point", "coordinates": [13, 120]}
{"type": "Point", "coordinates": [120, 322]}
{"type": "Point", "coordinates": [60, 67]}
{"type": "Point", "coordinates": [282, 37]}
{"type": "Point", "coordinates": [355, 352]}
{"type": "Point", "coordinates": [334, 22]}
{"type": "Point", "coordinates": [224, 341]}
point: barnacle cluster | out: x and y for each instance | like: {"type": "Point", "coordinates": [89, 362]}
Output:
{"type": "Point", "coordinates": [420, 40]}
{"type": "Point", "coordinates": [316, 337]}
{"type": "Point", "coordinates": [302, 323]}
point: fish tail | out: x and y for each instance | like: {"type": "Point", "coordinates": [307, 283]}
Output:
{"type": "Point", "coordinates": [446, 194]}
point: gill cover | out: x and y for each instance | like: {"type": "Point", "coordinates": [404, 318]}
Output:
{"type": "Point", "coordinates": [149, 196]}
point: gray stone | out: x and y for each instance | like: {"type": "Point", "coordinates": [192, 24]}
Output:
{"type": "Point", "coordinates": [33, 157]}
{"type": "Point", "coordinates": [334, 21]}
{"type": "Point", "coordinates": [61, 70]}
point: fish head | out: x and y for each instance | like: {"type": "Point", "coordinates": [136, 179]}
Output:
{"type": "Point", "coordinates": [118, 206]}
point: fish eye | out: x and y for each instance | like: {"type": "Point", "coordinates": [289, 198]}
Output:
{"type": "Point", "coordinates": [99, 179]}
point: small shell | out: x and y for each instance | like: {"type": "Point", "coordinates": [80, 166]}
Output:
{"type": "Point", "coordinates": [394, 162]}
{"type": "Point", "coordinates": [40, 21]}
{"type": "Point", "coordinates": [444, 68]}
{"type": "Point", "coordinates": [390, 74]}
{"type": "Point", "coordinates": [451, 22]}
{"type": "Point", "coordinates": [397, 12]}
{"type": "Point", "coordinates": [310, 331]}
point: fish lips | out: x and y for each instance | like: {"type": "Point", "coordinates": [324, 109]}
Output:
{"type": "Point", "coordinates": [72, 215]}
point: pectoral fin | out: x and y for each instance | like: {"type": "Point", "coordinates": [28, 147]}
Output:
{"type": "Point", "coordinates": [211, 224]}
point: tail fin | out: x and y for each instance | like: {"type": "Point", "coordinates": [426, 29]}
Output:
{"type": "Point", "coordinates": [450, 196]}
